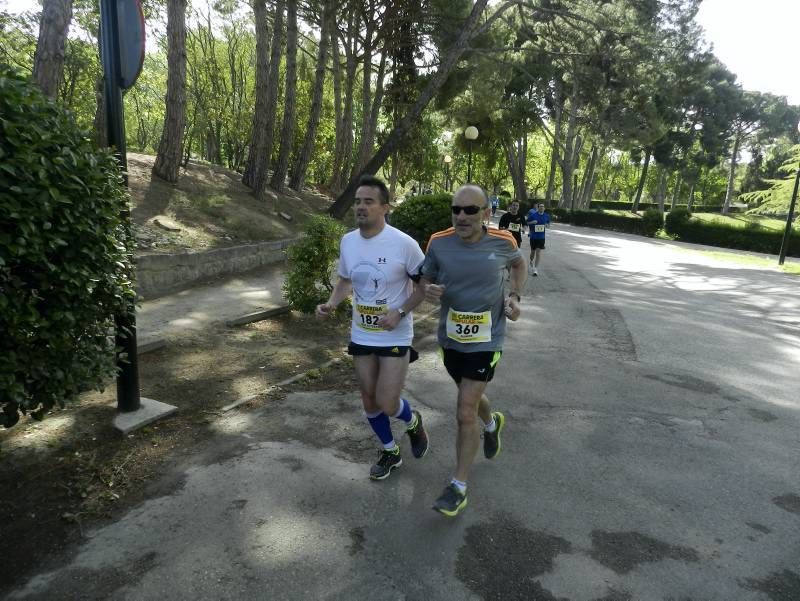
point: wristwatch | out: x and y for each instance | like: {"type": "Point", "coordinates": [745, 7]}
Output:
{"type": "Point", "coordinates": [402, 313]}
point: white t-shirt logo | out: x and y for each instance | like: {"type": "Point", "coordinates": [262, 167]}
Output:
{"type": "Point", "coordinates": [369, 282]}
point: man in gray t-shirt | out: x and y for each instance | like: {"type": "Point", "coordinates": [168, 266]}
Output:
{"type": "Point", "coordinates": [464, 270]}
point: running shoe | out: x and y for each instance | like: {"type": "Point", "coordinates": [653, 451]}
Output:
{"type": "Point", "coordinates": [418, 437]}
{"type": "Point", "coordinates": [535, 272]}
{"type": "Point", "coordinates": [385, 464]}
{"type": "Point", "coordinates": [451, 501]}
{"type": "Point", "coordinates": [491, 440]}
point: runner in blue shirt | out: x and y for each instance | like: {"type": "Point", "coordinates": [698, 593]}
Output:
{"type": "Point", "coordinates": [538, 222]}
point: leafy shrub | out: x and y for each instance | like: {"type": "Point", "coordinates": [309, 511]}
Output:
{"type": "Point", "coordinates": [422, 216]}
{"type": "Point", "coordinates": [64, 264]}
{"type": "Point", "coordinates": [652, 221]}
{"type": "Point", "coordinates": [311, 263]}
{"type": "Point", "coordinates": [676, 221]}
{"type": "Point", "coordinates": [630, 223]}
{"type": "Point", "coordinates": [727, 235]}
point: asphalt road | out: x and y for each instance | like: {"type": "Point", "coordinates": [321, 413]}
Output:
{"type": "Point", "coordinates": [651, 453]}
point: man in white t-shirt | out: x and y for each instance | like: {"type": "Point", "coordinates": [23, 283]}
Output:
{"type": "Point", "coordinates": [378, 263]}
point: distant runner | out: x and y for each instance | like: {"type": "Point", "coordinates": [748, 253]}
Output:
{"type": "Point", "coordinates": [538, 222]}
{"type": "Point", "coordinates": [513, 222]}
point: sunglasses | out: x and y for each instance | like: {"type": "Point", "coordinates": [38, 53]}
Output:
{"type": "Point", "coordinates": [469, 210]}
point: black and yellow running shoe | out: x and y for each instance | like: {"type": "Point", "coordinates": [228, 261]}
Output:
{"type": "Point", "coordinates": [418, 437]}
{"type": "Point", "coordinates": [385, 464]}
{"type": "Point", "coordinates": [451, 501]}
{"type": "Point", "coordinates": [491, 440]}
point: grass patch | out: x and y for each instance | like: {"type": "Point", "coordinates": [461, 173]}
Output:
{"type": "Point", "coordinates": [742, 221]}
{"type": "Point", "coordinates": [792, 268]}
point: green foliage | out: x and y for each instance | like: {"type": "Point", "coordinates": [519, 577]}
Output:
{"type": "Point", "coordinates": [676, 220]}
{"type": "Point", "coordinates": [64, 266]}
{"type": "Point", "coordinates": [652, 221]}
{"type": "Point", "coordinates": [311, 263]}
{"type": "Point", "coordinates": [627, 223]}
{"type": "Point", "coordinates": [755, 238]}
{"type": "Point", "coordinates": [421, 216]}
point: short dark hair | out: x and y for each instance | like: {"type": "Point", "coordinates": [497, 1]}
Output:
{"type": "Point", "coordinates": [375, 182]}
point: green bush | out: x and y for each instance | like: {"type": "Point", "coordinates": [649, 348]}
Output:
{"type": "Point", "coordinates": [676, 221]}
{"type": "Point", "coordinates": [311, 263]}
{"type": "Point", "coordinates": [755, 239]}
{"type": "Point", "coordinates": [652, 221]}
{"type": "Point", "coordinates": [422, 216]}
{"type": "Point", "coordinates": [64, 260]}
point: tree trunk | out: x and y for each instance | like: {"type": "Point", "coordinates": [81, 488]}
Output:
{"type": "Point", "coordinates": [168, 158]}
{"type": "Point", "coordinates": [395, 137]}
{"type": "Point", "coordinates": [48, 61]}
{"type": "Point", "coordinates": [554, 155]}
{"type": "Point", "coordinates": [396, 170]}
{"type": "Point", "coordinates": [351, 66]}
{"type": "Point", "coordinates": [642, 180]}
{"type": "Point", "coordinates": [661, 189]}
{"type": "Point", "coordinates": [676, 191]}
{"type": "Point", "coordinates": [362, 154]}
{"type": "Point", "coordinates": [100, 127]}
{"type": "Point", "coordinates": [690, 201]}
{"type": "Point", "coordinates": [289, 105]}
{"type": "Point", "coordinates": [336, 65]}
{"type": "Point", "coordinates": [588, 176]}
{"type": "Point", "coordinates": [255, 155]}
{"type": "Point", "coordinates": [377, 100]}
{"type": "Point", "coordinates": [731, 173]}
{"type": "Point", "coordinates": [262, 167]}
{"type": "Point", "coordinates": [513, 162]}
{"type": "Point", "coordinates": [304, 156]}
{"type": "Point", "coordinates": [571, 151]}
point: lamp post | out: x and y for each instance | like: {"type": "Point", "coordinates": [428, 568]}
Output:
{"type": "Point", "coordinates": [788, 231]}
{"type": "Point", "coordinates": [447, 160]}
{"type": "Point", "coordinates": [471, 133]}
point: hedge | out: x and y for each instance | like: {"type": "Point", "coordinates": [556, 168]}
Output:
{"type": "Point", "coordinates": [753, 238]}
{"type": "Point", "coordinates": [629, 224]}
{"type": "Point", "coordinates": [65, 254]}
{"type": "Point", "coordinates": [421, 216]}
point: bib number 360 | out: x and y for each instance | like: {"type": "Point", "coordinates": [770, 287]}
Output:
{"type": "Point", "coordinates": [469, 328]}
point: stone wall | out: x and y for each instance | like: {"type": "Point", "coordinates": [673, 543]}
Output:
{"type": "Point", "coordinates": [157, 275]}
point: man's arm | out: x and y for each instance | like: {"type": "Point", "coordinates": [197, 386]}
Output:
{"type": "Point", "coordinates": [341, 290]}
{"type": "Point", "coordinates": [519, 275]}
{"type": "Point", "coordinates": [392, 317]}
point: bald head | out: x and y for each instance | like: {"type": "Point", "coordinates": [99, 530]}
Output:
{"type": "Point", "coordinates": [470, 210]}
{"type": "Point", "coordinates": [472, 193]}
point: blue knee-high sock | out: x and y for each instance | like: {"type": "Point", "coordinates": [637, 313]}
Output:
{"type": "Point", "coordinates": [382, 428]}
{"type": "Point", "coordinates": [404, 412]}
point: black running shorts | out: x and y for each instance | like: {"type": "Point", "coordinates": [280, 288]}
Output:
{"type": "Point", "coordinates": [382, 351]}
{"type": "Point", "coordinates": [537, 243]}
{"type": "Point", "coordinates": [472, 366]}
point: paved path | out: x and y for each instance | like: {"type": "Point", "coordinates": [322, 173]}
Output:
{"type": "Point", "coordinates": [650, 454]}
{"type": "Point", "coordinates": [219, 300]}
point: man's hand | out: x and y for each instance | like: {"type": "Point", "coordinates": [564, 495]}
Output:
{"type": "Point", "coordinates": [389, 320]}
{"type": "Point", "coordinates": [512, 309]}
{"type": "Point", "coordinates": [433, 293]}
{"type": "Point", "coordinates": [324, 310]}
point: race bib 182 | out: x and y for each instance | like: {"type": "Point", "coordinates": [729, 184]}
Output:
{"type": "Point", "coordinates": [366, 317]}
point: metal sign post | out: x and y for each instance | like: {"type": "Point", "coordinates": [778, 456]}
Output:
{"type": "Point", "coordinates": [122, 53]}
